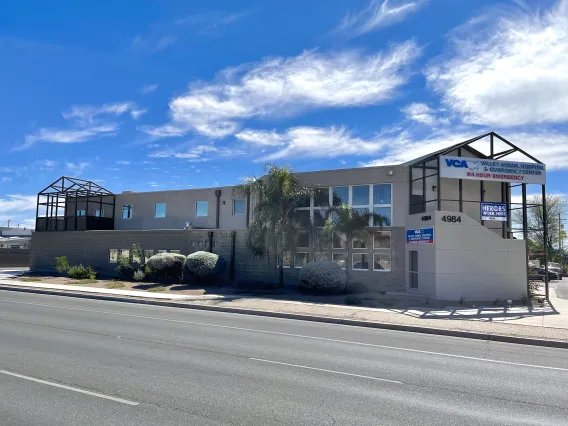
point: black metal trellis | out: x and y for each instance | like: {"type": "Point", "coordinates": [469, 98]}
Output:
{"type": "Point", "coordinates": [72, 204]}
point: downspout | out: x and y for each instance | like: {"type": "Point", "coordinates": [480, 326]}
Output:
{"type": "Point", "coordinates": [217, 210]}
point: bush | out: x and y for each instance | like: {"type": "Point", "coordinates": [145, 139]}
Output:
{"type": "Point", "coordinates": [81, 272]}
{"type": "Point", "coordinates": [124, 268]}
{"type": "Point", "coordinates": [139, 275]}
{"type": "Point", "coordinates": [204, 266]}
{"type": "Point", "coordinates": [323, 276]}
{"type": "Point", "coordinates": [61, 264]}
{"type": "Point", "coordinates": [166, 266]}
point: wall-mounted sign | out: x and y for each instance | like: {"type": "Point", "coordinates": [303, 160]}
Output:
{"type": "Point", "coordinates": [494, 211]}
{"type": "Point", "coordinates": [420, 236]}
{"type": "Point", "coordinates": [492, 170]}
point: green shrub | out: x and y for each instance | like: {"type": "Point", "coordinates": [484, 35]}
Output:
{"type": "Point", "coordinates": [323, 276]}
{"type": "Point", "coordinates": [61, 264]}
{"type": "Point", "coordinates": [81, 272]}
{"type": "Point", "coordinates": [157, 289]}
{"type": "Point", "coordinates": [166, 266]}
{"type": "Point", "coordinates": [204, 266]}
{"type": "Point", "coordinates": [139, 275]}
{"type": "Point", "coordinates": [124, 268]}
{"type": "Point", "coordinates": [114, 284]}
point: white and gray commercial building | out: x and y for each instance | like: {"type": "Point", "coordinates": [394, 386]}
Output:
{"type": "Point", "coordinates": [450, 234]}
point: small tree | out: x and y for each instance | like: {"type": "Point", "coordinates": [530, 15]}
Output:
{"type": "Point", "coordinates": [345, 220]}
{"type": "Point", "coordinates": [276, 220]}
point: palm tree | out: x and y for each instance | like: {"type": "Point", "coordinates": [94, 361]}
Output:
{"type": "Point", "coordinates": [276, 221]}
{"type": "Point", "coordinates": [353, 223]}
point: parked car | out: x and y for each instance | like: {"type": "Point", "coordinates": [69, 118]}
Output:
{"type": "Point", "coordinates": [556, 267]}
{"type": "Point", "coordinates": [551, 274]}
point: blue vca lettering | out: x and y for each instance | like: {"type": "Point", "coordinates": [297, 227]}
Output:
{"type": "Point", "coordinates": [456, 163]}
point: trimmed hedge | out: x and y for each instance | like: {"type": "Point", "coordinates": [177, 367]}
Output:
{"type": "Point", "coordinates": [204, 266]}
{"type": "Point", "coordinates": [323, 276]}
{"type": "Point", "coordinates": [166, 265]}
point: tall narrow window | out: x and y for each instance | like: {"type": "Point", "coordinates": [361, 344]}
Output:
{"type": "Point", "coordinates": [127, 211]}
{"type": "Point", "coordinates": [99, 213]}
{"type": "Point", "coordinates": [238, 207]}
{"type": "Point", "coordinates": [413, 269]}
{"type": "Point", "coordinates": [160, 210]}
{"type": "Point", "coordinates": [81, 212]}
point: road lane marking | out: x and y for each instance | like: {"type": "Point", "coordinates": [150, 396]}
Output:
{"type": "Point", "coordinates": [325, 339]}
{"type": "Point", "coordinates": [327, 371]}
{"type": "Point", "coordinates": [70, 388]}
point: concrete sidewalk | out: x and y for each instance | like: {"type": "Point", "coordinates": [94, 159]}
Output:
{"type": "Point", "coordinates": [516, 324]}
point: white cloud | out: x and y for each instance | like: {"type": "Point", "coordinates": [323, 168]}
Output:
{"type": "Point", "coordinates": [210, 23]}
{"type": "Point", "coordinates": [153, 43]}
{"type": "Point", "coordinates": [286, 86]}
{"type": "Point", "coordinates": [423, 114]}
{"type": "Point", "coordinates": [49, 163]}
{"type": "Point", "coordinates": [199, 153]}
{"type": "Point", "coordinates": [77, 168]}
{"type": "Point", "coordinates": [87, 122]}
{"type": "Point", "coordinates": [123, 162]}
{"type": "Point", "coordinates": [508, 69]}
{"type": "Point", "coordinates": [378, 14]}
{"type": "Point", "coordinates": [16, 204]}
{"type": "Point", "coordinates": [148, 88]}
{"type": "Point", "coordinates": [261, 137]}
{"type": "Point", "coordinates": [314, 142]}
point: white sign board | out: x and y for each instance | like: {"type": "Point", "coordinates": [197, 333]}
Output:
{"type": "Point", "coordinates": [492, 170]}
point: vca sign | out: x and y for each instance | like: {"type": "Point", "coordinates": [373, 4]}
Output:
{"type": "Point", "coordinates": [483, 169]}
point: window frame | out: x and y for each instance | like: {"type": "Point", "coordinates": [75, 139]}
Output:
{"type": "Point", "coordinates": [280, 260]}
{"type": "Point", "coordinates": [156, 208]}
{"type": "Point", "coordinates": [80, 212]}
{"type": "Point", "coordinates": [390, 240]}
{"type": "Point", "coordinates": [244, 207]}
{"type": "Point", "coordinates": [353, 261]}
{"type": "Point", "coordinates": [101, 212]}
{"type": "Point", "coordinates": [307, 258]}
{"type": "Point", "coordinates": [337, 253]}
{"type": "Point", "coordinates": [120, 253]}
{"type": "Point", "coordinates": [130, 211]}
{"type": "Point", "coordinates": [389, 254]}
{"type": "Point", "coordinates": [196, 211]}
{"type": "Point", "coordinates": [117, 251]}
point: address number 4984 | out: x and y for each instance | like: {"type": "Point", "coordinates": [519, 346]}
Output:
{"type": "Point", "coordinates": [451, 219]}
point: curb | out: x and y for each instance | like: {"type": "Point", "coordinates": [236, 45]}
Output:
{"type": "Point", "coordinates": [302, 317]}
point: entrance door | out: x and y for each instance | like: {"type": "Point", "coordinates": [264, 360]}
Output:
{"type": "Point", "coordinates": [413, 269]}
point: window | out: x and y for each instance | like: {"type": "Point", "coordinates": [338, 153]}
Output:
{"type": "Point", "coordinates": [361, 210]}
{"type": "Point", "coordinates": [340, 195]}
{"type": "Point", "coordinates": [321, 197]}
{"type": "Point", "coordinates": [161, 251]}
{"type": "Point", "coordinates": [339, 258]}
{"type": "Point", "coordinates": [359, 243]}
{"type": "Point", "coordinates": [127, 211]}
{"type": "Point", "coordinates": [99, 213]}
{"type": "Point", "coordinates": [303, 240]}
{"type": "Point", "coordinates": [175, 251]}
{"type": "Point", "coordinates": [413, 269]}
{"type": "Point", "coordinates": [386, 213]}
{"type": "Point", "coordinates": [160, 210]}
{"type": "Point", "coordinates": [136, 258]}
{"type": "Point", "coordinates": [360, 262]}
{"type": "Point", "coordinates": [339, 241]}
{"type": "Point", "coordinates": [382, 193]}
{"type": "Point", "coordinates": [319, 218]}
{"type": "Point", "coordinates": [382, 262]}
{"type": "Point", "coordinates": [360, 195]}
{"type": "Point", "coordinates": [301, 259]}
{"type": "Point", "coordinates": [287, 260]}
{"type": "Point", "coordinates": [113, 255]}
{"type": "Point", "coordinates": [125, 253]}
{"type": "Point", "coordinates": [80, 212]}
{"type": "Point", "coordinates": [201, 208]}
{"type": "Point", "coordinates": [148, 254]}
{"type": "Point", "coordinates": [382, 240]}
{"type": "Point", "coordinates": [303, 218]}
{"type": "Point", "coordinates": [320, 256]}
{"type": "Point", "coordinates": [238, 207]}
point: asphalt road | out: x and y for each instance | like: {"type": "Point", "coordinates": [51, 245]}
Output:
{"type": "Point", "coordinates": [561, 287]}
{"type": "Point", "coordinates": [67, 361]}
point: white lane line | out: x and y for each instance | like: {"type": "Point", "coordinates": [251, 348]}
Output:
{"type": "Point", "coordinates": [327, 371]}
{"type": "Point", "coordinates": [325, 339]}
{"type": "Point", "coordinates": [57, 385]}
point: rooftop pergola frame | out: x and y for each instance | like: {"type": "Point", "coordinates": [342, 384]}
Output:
{"type": "Point", "coordinates": [72, 204]}
{"type": "Point", "coordinates": [428, 166]}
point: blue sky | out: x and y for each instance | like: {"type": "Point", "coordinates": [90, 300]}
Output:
{"type": "Point", "coordinates": [153, 95]}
